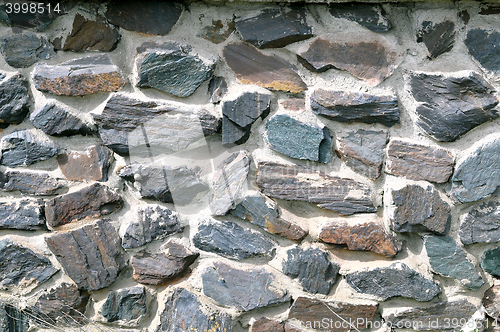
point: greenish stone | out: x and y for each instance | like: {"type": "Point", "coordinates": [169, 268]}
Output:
{"type": "Point", "coordinates": [490, 261]}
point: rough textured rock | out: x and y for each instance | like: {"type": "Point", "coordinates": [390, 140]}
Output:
{"type": "Point", "coordinates": [298, 139]}
{"type": "Point", "coordinates": [14, 99]}
{"type": "Point", "coordinates": [26, 147]}
{"type": "Point", "coordinates": [183, 311]}
{"type": "Point", "coordinates": [12, 319]}
{"type": "Point", "coordinates": [89, 165]}
{"type": "Point", "coordinates": [263, 211]}
{"type": "Point", "coordinates": [309, 311]}
{"type": "Point", "coordinates": [230, 240]}
{"type": "Point", "coordinates": [217, 88]}
{"type": "Point", "coordinates": [79, 77]}
{"type": "Point", "coordinates": [447, 259]}
{"type": "Point", "coordinates": [368, 236]}
{"type": "Point", "coordinates": [266, 325]}
{"type": "Point", "coordinates": [55, 120]}
{"type": "Point", "coordinates": [268, 71]}
{"type": "Point", "coordinates": [314, 271]}
{"type": "Point", "coordinates": [227, 183]}
{"type": "Point", "coordinates": [438, 38]}
{"type": "Point", "coordinates": [218, 32]}
{"type": "Point", "coordinates": [90, 35]}
{"type": "Point", "coordinates": [395, 280]}
{"type": "Point", "coordinates": [418, 209]}
{"type": "Point", "coordinates": [363, 151]}
{"type": "Point", "coordinates": [153, 222]}
{"type": "Point", "coordinates": [419, 162]}
{"type": "Point", "coordinates": [90, 255]}
{"type": "Point", "coordinates": [371, 16]}
{"type": "Point", "coordinates": [294, 104]}
{"type": "Point", "coordinates": [23, 214]}
{"type": "Point", "coordinates": [342, 195]}
{"type": "Point", "coordinates": [288, 26]}
{"type": "Point", "coordinates": [451, 105]}
{"type": "Point", "coordinates": [481, 44]}
{"type": "Point", "coordinates": [38, 21]}
{"type": "Point", "coordinates": [481, 224]}
{"type": "Point", "coordinates": [30, 183]}
{"type": "Point", "coordinates": [491, 303]}
{"type": "Point", "coordinates": [243, 289]}
{"type": "Point", "coordinates": [490, 261]}
{"type": "Point", "coordinates": [179, 185]}
{"type": "Point", "coordinates": [126, 306]}
{"type": "Point", "coordinates": [23, 50]}
{"type": "Point", "coordinates": [92, 201]}
{"type": "Point", "coordinates": [21, 269]}
{"type": "Point", "coordinates": [152, 17]}
{"type": "Point", "coordinates": [349, 107]}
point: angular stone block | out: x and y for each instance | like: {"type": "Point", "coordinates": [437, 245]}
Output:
{"type": "Point", "coordinates": [15, 99]}
{"type": "Point", "coordinates": [22, 214]}
{"type": "Point", "coordinates": [481, 224]}
{"type": "Point", "coordinates": [438, 38]}
{"type": "Point", "coordinates": [371, 16]}
{"type": "Point", "coordinates": [31, 183]}
{"type": "Point", "coordinates": [55, 120]}
{"type": "Point", "coordinates": [89, 165]}
{"type": "Point", "coordinates": [26, 147]}
{"type": "Point", "coordinates": [88, 35]}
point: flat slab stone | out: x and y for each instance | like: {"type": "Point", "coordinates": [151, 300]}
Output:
{"type": "Point", "coordinates": [31, 183]}
{"type": "Point", "coordinates": [230, 240]}
{"type": "Point", "coordinates": [349, 107]}
{"type": "Point", "coordinates": [23, 50]}
{"type": "Point", "coordinates": [78, 77]}
{"type": "Point", "coordinates": [439, 38]}
{"type": "Point", "coordinates": [490, 261]}
{"type": "Point", "coordinates": [90, 255]}
{"type": "Point", "coordinates": [15, 99]}
{"type": "Point", "coordinates": [26, 147]}
{"type": "Point", "coordinates": [370, 16]}
{"type": "Point", "coordinates": [491, 302]}
{"type": "Point", "coordinates": [23, 214]}
{"type": "Point", "coordinates": [88, 35]}
{"type": "Point", "coordinates": [481, 224]}
{"type": "Point", "coordinates": [296, 183]}
{"type": "Point", "coordinates": [481, 44]}
{"type": "Point", "coordinates": [54, 120]}
{"type": "Point", "coordinates": [244, 290]}
{"type": "Point", "coordinates": [298, 139]}
{"type": "Point", "coordinates": [268, 71]}
{"type": "Point", "coordinates": [126, 306]}
{"type": "Point", "coordinates": [395, 280]}
{"type": "Point", "coordinates": [289, 26]}
{"type": "Point", "coordinates": [89, 165]}
{"type": "Point", "coordinates": [418, 162]}
{"type": "Point", "coordinates": [450, 105]}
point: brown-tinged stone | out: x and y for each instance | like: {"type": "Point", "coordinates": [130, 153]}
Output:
{"type": "Point", "coordinates": [31, 183]}
{"type": "Point", "coordinates": [89, 165]}
{"type": "Point", "coordinates": [368, 236]}
{"type": "Point", "coordinates": [217, 32]}
{"type": "Point", "coordinates": [308, 311]}
{"type": "Point", "coordinates": [294, 104]}
{"type": "Point", "coordinates": [290, 328]}
{"type": "Point", "coordinates": [491, 302]}
{"type": "Point", "coordinates": [419, 162]}
{"type": "Point", "coordinates": [266, 325]}
{"type": "Point", "coordinates": [92, 201]}
{"type": "Point", "coordinates": [268, 71]}
{"type": "Point", "coordinates": [90, 35]}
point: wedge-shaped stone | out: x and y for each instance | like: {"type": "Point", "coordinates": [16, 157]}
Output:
{"type": "Point", "coordinates": [55, 120]}
{"type": "Point", "coordinates": [89, 165]}
{"type": "Point", "coordinates": [491, 302]}
{"type": "Point", "coordinates": [418, 162]}
{"type": "Point", "coordinates": [31, 183]}
{"type": "Point", "coordinates": [296, 183]}
{"type": "Point", "coordinates": [26, 147]}
{"type": "Point", "coordinates": [126, 307]}
{"type": "Point", "coordinates": [90, 255]}
{"type": "Point", "coordinates": [371, 16]}
{"type": "Point", "coordinates": [217, 89]}
{"type": "Point", "coordinates": [481, 224]}
{"type": "Point", "coordinates": [438, 38]}
{"type": "Point", "coordinates": [23, 50]}
{"type": "Point", "coordinates": [88, 35]}
{"type": "Point", "coordinates": [268, 71]}
{"type": "Point", "coordinates": [14, 99]}
{"type": "Point", "coordinates": [452, 104]}
{"type": "Point", "coordinates": [79, 77]}
{"type": "Point", "coordinates": [23, 214]}
{"type": "Point", "coordinates": [482, 46]}
{"type": "Point", "coordinates": [490, 261]}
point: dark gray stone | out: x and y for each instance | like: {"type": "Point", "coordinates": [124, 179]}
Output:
{"type": "Point", "coordinates": [23, 214]}
{"type": "Point", "coordinates": [14, 99]}
{"type": "Point", "coordinates": [447, 259]}
{"type": "Point", "coordinates": [314, 271]}
{"type": "Point", "coordinates": [88, 35]}
{"type": "Point", "coordinates": [482, 46]}
{"type": "Point", "coordinates": [126, 305]}
{"type": "Point", "coordinates": [89, 165]}
{"type": "Point", "coordinates": [26, 20]}
{"type": "Point", "coordinates": [217, 89]}
{"type": "Point", "coordinates": [288, 26]}
{"type": "Point", "coordinates": [371, 16]}
{"type": "Point", "coordinates": [481, 224]}
{"type": "Point", "coordinates": [55, 120]}
{"type": "Point", "coordinates": [349, 107]}
{"type": "Point", "coordinates": [23, 50]}
{"type": "Point", "coordinates": [490, 261]}
{"type": "Point", "coordinates": [243, 289]}
{"type": "Point", "coordinates": [13, 319]}
{"type": "Point", "coordinates": [451, 105]}
{"type": "Point", "coordinates": [31, 183]}
{"type": "Point", "coordinates": [395, 280]}
{"type": "Point", "coordinates": [298, 139]}
{"type": "Point", "coordinates": [438, 38]}
{"type": "Point", "coordinates": [26, 147]}
{"type": "Point", "coordinates": [230, 240]}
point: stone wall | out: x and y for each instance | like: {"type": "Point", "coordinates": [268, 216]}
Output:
{"type": "Point", "coordinates": [245, 166]}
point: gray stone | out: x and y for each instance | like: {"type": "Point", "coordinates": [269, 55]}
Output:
{"type": "Point", "coordinates": [395, 280]}
{"type": "Point", "coordinates": [243, 289]}
{"type": "Point", "coordinates": [491, 303]}
{"type": "Point", "coordinates": [490, 261]}
{"type": "Point", "coordinates": [314, 271]}
{"type": "Point", "coordinates": [217, 89]}
{"type": "Point", "coordinates": [13, 319]}
{"type": "Point", "coordinates": [26, 147]}
{"type": "Point", "coordinates": [89, 165]}
{"type": "Point", "coordinates": [88, 35]}
{"type": "Point", "coordinates": [55, 120]}
{"type": "Point", "coordinates": [482, 46]}
{"type": "Point", "coordinates": [481, 224]}
{"type": "Point", "coordinates": [447, 259]}
{"type": "Point", "coordinates": [371, 16]}
{"type": "Point", "coordinates": [23, 50]}
{"type": "Point", "coordinates": [438, 38]}
{"type": "Point", "coordinates": [127, 306]}
{"type": "Point", "coordinates": [14, 99]}
{"type": "Point", "coordinates": [450, 105]}
{"type": "Point", "coordinates": [363, 151]}
{"type": "Point", "coordinates": [298, 139]}
{"type": "Point", "coordinates": [26, 20]}
{"type": "Point", "coordinates": [230, 240]}
{"type": "Point", "coordinates": [31, 183]}
{"type": "Point", "coordinates": [22, 214]}
{"type": "Point", "coordinates": [153, 222]}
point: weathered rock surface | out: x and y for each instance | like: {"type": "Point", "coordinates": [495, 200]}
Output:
{"type": "Point", "coordinates": [23, 214]}
{"type": "Point", "coordinates": [13, 319]}
{"type": "Point", "coordinates": [363, 151]}
{"type": "Point", "coordinates": [294, 104]}
{"type": "Point", "coordinates": [217, 32]}
{"type": "Point", "coordinates": [217, 88]}
{"type": "Point", "coordinates": [438, 38]}
{"type": "Point", "coordinates": [349, 107]}
{"type": "Point", "coordinates": [14, 99]}
{"type": "Point", "coordinates": [268, 71]}
{"type": "Point", "coordinates": [266, 325]}
{"type": "Point", "coordinates": [21, 269]}
{"type": "Point", "coordinates": [288, 26]}
{"type": "Point", "coordinates": [126, 306]}
{"type": "Point", "coordinates": [419, 162]}
{"type": "Point", "coordinates": [395, 280]}
{"type": "Point", "coordinates": [89, 165]}
{"type": "Point", "coordinates": [88, 35]}
{"type": "Point", "coordinates": [314, 271]}
{"type": "Point", "coordinates": [243, 289]}
{"type": "Point", "coordinates": [79, 77]}
{"type": "Point", "coordinates": [418, 209]}
{"type": "Point", "coordinates": [30, 183]}
{"type": "Point", "coordinates": [371, 16]}
{"type": "Point", "coordinates": [90, 255]}
{"type": "Point", "coordinates": [227, 183]}
{"type": "Point", "coordinates": [490, 261]}
{"type": "Point", "coordinates": [451, 105]}
{"type": "Point", "coordinates": [447, 259]}
{"type": "Point", "coordinates": [23, 50]}
{"type": "Point", "coordinates": [481, 224]}
{"type": "Point", "coordinates": [157, 269]}
{"type": "Point", "coordinates": [290, 182]}
{"type": "Point", "coordinates": [298, 139]}
{"type": "Point", "coordinates": [55, 120]}
{"type": "Point", "coordinates": [92, 201]}
{"type": "Point", "coordinates": [367, 236]}
{"type": "Point", "coordinates": [491, 302]}
{"type": "Point", "coordinates": [153, 222]}
{"type": "Point", "coordinates": [26, 147]}
{"type": "Point", "coordinates": [230, 240]}
{"type": "Point", "coordinates": [308, 311]}
{"type": "Point", "coordinates": [481, 44]}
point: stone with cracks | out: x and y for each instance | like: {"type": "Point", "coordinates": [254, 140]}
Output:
{"type": "Point", "coordinates": [89, 165]}
{"type": "Point", "coordinates": [23, 214]}
{"type": "Point", "coordinates": [481, 224]}
{"type": "Point", "coordinates": [127, 306]}
{"type": "Point", "coordinates": [371, 16]}
{"type": "Point", "coordinates": [491, 302]}
{"type": "Point", "coordinates": [55, 120]}
{"type": "Point", "coordinates": [23, 50]}
{"type": "Point", "coordinates": [14, 99]}
{"type": "Point", "coordinates": [31, 183]}
{"type": "Point", "coordinates": [26, 147]}
{"type": "Point", "coordinates": [482, 47]}
{"type": "Point", "coordinates": [490, 261]}
{"type": "Point", "coordinates": [13, 319]}
{"type": "Point", "coordinates": [88, 35]}
{"type": "Point", "coordinates": [438, 38]}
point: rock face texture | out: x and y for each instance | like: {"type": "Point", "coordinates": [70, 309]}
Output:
{"type": "Point", "coordinates": [56, 121]}
{"type": "Point", "coordinates": [125, 306]}
{"type": "Point", "coordinates": [30, 183]}
{"type": "Point", "coordinates": [490, 261]}
{"type": "Point", "coordinates": [23, 214]}
{"type": "Point", "coordinates": [88, 35]}
{"type": "Point", "coordinates": [490, 302]}
{"type": "Point", "coordinates": [438, 38]}
{"type": "Point", "coordinates": [481, 224]}
{"type": "Point", "coordinates": [26, 147]}
{"type": "Point", "coordinates": [14, 99]}
{"type": "Point", "coordinates": [370, 16]}
{"type": "Point", "coordinates": [89, 165]}
{"type": "Point", "coordinates": [21, 51]}
{"type": "Point", "coordinates": [480, 43]}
